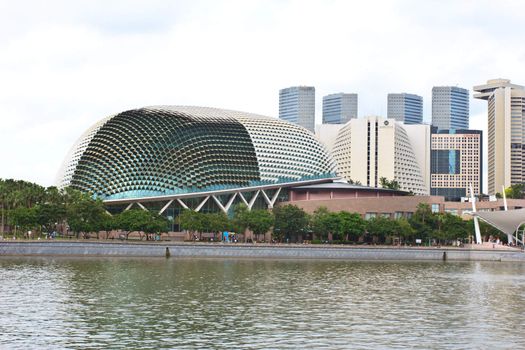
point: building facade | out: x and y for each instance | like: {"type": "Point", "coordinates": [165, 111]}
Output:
{"type": "Point", "coordinates": [455, 163]}
{"type": "Point", "coordinates": [339, 108]}
{"type": "Point", "coordinates": [406, 108]}
{"type": "Point", "coordinates": [506, 135]}
{"type": "Point", "coordinates": [169, 158]}
{"type": "Point", "coordinates": [297, 105]}
{"type": "Point", "coordinates": [450, 107]}
{"type": "Point", "coordinates": [367, 149]}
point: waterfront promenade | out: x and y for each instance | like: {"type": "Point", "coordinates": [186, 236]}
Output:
{"type": "Point", "coordinates": [254, 251]}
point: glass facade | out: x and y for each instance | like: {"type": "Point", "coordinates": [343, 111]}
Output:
{"type": "Point", "coordinates": [168, 150]}
{"type": "Point", "coordinates": [297, 105]}
{"type": "Point", "coordinates": [407, 108]}
{"type": "Point", "coordinates": [450, 107]}
{"type": "Point", "coordinates": [339, 108]}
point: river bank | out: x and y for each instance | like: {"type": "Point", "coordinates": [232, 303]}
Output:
{"type": "Point", "coordinates": [253, 251]}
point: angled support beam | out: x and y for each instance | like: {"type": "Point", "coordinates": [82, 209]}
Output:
{"type": "Point", "coordinates": [276, 194]}
{"type": "Point", "coordinates": [252, 201]}
{"type": "Point", "coordinates": [219, 204]}
{"type": "Point", "coordinates": [199, 207]}
{"type": "Point", "coordinates": [267, 199]}
{"type": "Point", "coordinates": [141, 206]}
{"type": "Point", "coordinates": [129, 206]}
{"type": "Point", "coordinates": [243, 199]}
{"type": "Point", "coordinates": [182, 203]}
{"type": "Point", "coordinates": [230, 202]}
{"type": "Point", "coordinates": [165, 207]}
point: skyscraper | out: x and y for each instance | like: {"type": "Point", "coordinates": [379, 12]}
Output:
{"type": "Point", "coordinates": [450, 107]}
{"type": "Point", "coordinates": [297, 105]}
{"type": "Point", "coordinates": [407, 108]}
{"type": "Point", "coordinates": [506, 135]}
{"type": "Point", "coordinates": [339, 108]}
{"type": "Point", "coordinates": [455, 163]}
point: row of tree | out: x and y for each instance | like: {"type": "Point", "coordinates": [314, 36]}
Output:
{"type": "Point", "coordinates": [290, 223]}
{"type": "Point", "coordinates": [26, 207]}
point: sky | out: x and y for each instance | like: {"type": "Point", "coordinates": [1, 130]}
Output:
{"type": "Point", "coordinates": [64, 65]}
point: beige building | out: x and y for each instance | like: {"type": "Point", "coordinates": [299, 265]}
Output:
{"type": "Point", "coordinates": [369, 148]}
{"type": "Point", "coordinates": [456, 162]}
{"type": "Point", "coordinates": [506, 136]}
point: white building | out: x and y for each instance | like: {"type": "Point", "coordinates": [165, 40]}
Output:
{"type": "Point", "coordinates": [506, 134]}
{"type": "Point", "coordinates": [369, 148]}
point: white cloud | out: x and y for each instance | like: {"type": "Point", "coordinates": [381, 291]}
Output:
{"type": "Point", "coordinates": [65, 65]}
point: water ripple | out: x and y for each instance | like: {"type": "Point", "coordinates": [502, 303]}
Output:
{"type": "Point", "coordinates": [263, 304]}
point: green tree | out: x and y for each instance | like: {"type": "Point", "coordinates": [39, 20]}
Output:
{"type": "Point", "coordinates": [381, 228]}
{"type": "Point", "coordinates": [85, 214]}
{"type": "Point", "coordinates": [349, 225]}
{"type": "Point", "coordinates": [24, 218]}
{"type": "Point", "coordinates": [139, 220]}
{"type": "Point", "coordinates": [241, 220]}
{"type": "Point", "coordinates": [218, 222]}
{"type": "Point", "coordinates": [290, 222]}
{"type": "Point", "coordinates": [423, 221]}
{"type": "Point", "coordinates": [515, 191]}
{"type": "Point", "coordinates": [322, 223]}
{"type": "Point", "coordinates": [392, 185]}
{"type": "Point", "coordinates": [260, 222]}
{"type": "Point", "coordinates": [404, 230]}
{"type": "Point", "coordinates": [192, 221]}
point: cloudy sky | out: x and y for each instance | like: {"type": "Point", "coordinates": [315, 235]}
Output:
{"type": "Point", "coordinates": [66, 64]}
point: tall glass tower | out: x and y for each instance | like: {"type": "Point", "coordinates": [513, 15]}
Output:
{"type": "Point", "coordinates": [297, 105]}
{"type": "Point", "coordinates": [450, 107]}
{"type": "Point", "coordinates": [407, 108]}
{"type": "Point", "coordinates": [339, 108]}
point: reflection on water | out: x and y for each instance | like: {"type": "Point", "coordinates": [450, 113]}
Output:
{"type": "Point", "coordinates": [159, 303]}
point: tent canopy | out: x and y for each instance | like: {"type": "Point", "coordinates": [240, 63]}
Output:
{"type": "Point", "coordinates": [505, 221]}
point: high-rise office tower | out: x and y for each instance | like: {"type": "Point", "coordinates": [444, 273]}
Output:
{"type": "Point", "coordinates": [407, 108]}
{"type": "Point", "coordinates": [450, 107]}
{"type": "Point", "coordinates": [455, 163]}
{"type": "Point", "coordinates": [506, 134]}
{"type": "Point", "coordinates": [339, 108]}
{"type": "Point", "coordinates": [297, 105]}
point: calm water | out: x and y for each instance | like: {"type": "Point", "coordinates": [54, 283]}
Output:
{"type": "Point", "coordinates": [224, 304]}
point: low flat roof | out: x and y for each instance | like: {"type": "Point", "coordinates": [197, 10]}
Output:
{"type": "Point", "coordinates": [346, 186]}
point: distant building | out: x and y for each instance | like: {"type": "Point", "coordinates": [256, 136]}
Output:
{"type": "Point", "coordinates": [297, 105]}
{"type": "Point", "coordinates": [450, 107]}
{"type": "Point", "coordinates": [455, 163]}
{"type": "Point", "coordinates": [339, 108]}
{"type": "Point", "coordinates": [407, 108]}
{"type": "Point", "coordinates": [506, 133]}
{"type": "Point", "coordinates": [367, 149]}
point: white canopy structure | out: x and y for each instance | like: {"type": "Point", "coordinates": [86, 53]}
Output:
{"type": "Point", "coordinates": [507, 221]}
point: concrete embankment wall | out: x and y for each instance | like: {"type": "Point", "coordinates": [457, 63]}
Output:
{"type": "Point", "coordinates": [219, 250]}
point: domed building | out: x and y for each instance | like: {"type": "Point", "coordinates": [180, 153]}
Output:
{"type": "Point", "coordinates": [174, 153]}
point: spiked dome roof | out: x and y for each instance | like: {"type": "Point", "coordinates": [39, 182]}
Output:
{"type": "Point", "coordinates": [163, 150]}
